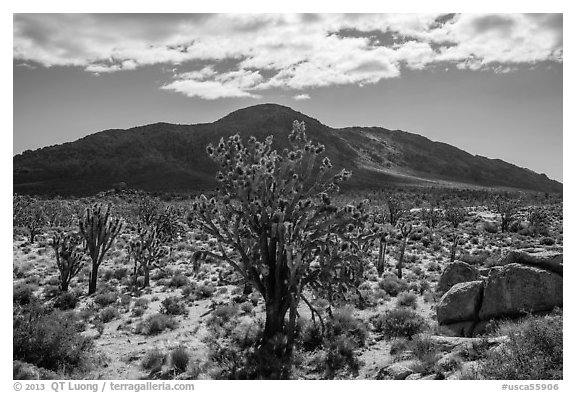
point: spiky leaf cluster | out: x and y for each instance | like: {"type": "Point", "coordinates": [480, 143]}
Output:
{"type": "Point", "coordinates": [273, 210]}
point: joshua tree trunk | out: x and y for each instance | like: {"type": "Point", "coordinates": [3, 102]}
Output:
{"type": "Point", "coordinates": [382, 257]}
{"type": "Point", "coordinates": [146, 276]}
{"type": "Point", "coordinates": [400, 263]}
{"type": "Point", "coordinates": [93, 279]}
{"type": "Point", "coordinates": [274, 353]}
{"type": "Point", "coordinates": [454, 247]}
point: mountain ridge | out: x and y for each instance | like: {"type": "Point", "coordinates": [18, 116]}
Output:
{"type": "Point", "coordinates": [171, 157]}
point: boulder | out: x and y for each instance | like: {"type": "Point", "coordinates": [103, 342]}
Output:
{"type": "Point", "coordinates": [547, 260]}
{"type": "Point", "coordinates": [397, 371]}
{"type": "Point", "coordinates": [516, 289]}
{"type": "Point", "coordinates": [459, 329]}
{"type": "Point", "coordinates": [490, 226]}
{"type": "Point", "coordinates": [414, 377]}
{"type": "Point", "coordinates": [454, 273]}
{"type": "Point", "coordinates": [460, 303]}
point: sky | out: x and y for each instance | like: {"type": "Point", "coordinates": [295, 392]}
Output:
{"type": "Point", "coordinates": [490, 84]}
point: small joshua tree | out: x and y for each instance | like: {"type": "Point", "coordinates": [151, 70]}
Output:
{"type": "Point", "coordinates": [431, 217]}
{"type": "Point", "coordinates": [31, 215]}
{"type": "Point", "coordinates": [148, 210]}
{"type": "Point", "coordinates": [147, 250]}
{"type": "Point", "coordinates": [507, 209]}
{"type": "Point", "coordinates": [69, 257]}
{"type": "Point", "coordinates": [271, 216]}
{"type": "Point", "coordinates": [538, 220]}
{"type": "Point", "coordinates": [385, 233]}
{"type": "Point", "coordinates": [396, 209]}
{"type": "Point", "coordinates": [455, 216]}
{"type": "Point", "coordinates": [99, 231]}
{"type": "Point", "coordinates": [405, 230]}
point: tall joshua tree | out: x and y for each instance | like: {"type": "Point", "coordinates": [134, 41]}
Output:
{"type": "Point", "coordinates": [271, 216]}
{"type": "Point", "coordinates": [99, 231]}
{"type": "Point", "coordinates": [405, 230]}
{"type": "Point", "coordinates": [69, 257]}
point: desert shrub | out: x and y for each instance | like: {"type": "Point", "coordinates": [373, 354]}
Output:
{"type": "Point", "coordinates": [107, 274]}
{"type": "Point", "coordinates": [246, 307]}
{"type": "Point", "coordinates": [155, 324]}
{"type": "Point", "coordinates": [23, 294]}
{"type": "Point", "coordinates": [433, 267]}
{"type": "Point", "coordinates": [534, 351]}
{"type": "Point", "coordinates": [247, 332]}
{"type": "Point", "coordinates": [106, 298]}
{"type": "Point", "coordinates": [392, 285]}
{"type": "Point", "coordinates": [108, 314]}
{"type": "Point", "coordinates": [407, 299]}
{"type": "Point", "coordinates": [178, 281]}
{"type": "Point", "coordinates": [205, 291]}
{"type": "Point", "coordinates": [153, 360]}
{"type": "Point", "coordinates": [66, 301]}
{"type": "Point", "coordinates": [120, 273]}
{"type": "Point", "coordinates": [222, 315]}
{"type": "Point", "coordinates": [180, 358]}
{"type": "Point", "coordinates": [340, 356]}
{"type": "Point", "coordinates": [310, 336]}
{"type": "Point", "coordinates": [343, 335]}
{"type": "Point", "coordinates": [51, 291]}
{"type": "Point", "coordinates": [398, 345]}
{"type": "Point", "coordinates": [189, 290]}
{"type": "Point", "coordinates": [173, 306]}
{"type": "Point", "coordinates": [142, 303]}
{"type": "Point", "coordinates": [344, 323]}
{"type": "Point", "coordinates": [399, 322]}
{"type": "Point", "coordinates": [417, 270]}
{"type": "Point", "coordinates": [47, 338]}
{"type": "Point", "coordinates": [428, 296]}
{"type": "Point", "coordinates": [52, 280]}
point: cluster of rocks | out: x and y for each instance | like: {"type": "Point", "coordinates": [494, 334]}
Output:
{"type": "Point", "coordinates": [522, 282]}
{"type": "Point", "coordinates": [462, 351]}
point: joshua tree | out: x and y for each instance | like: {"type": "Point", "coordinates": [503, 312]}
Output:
{"type": "Point", "coordinates": [69, 257]}
{"type": "Point", "coordinates": [147, 251]}
{"type": "Point", "coordinates": [538, 220]}
{"type": "Point", "coordinates": [405, 231]}
{"type": "Point", "coordinates": [30, 215]}
{"type": "Point", "coordinates": [385, 233]}
{"type": "Point", "coordinates": [431, 217]}
{"type": "Point", "coordinates": [148, 210]}
{"type": "Point", "coordinates": [396, 209]}
{"type": "Point", "coordinates": [271, 216]}
{"type": "Point", "coordinates": [507, 209]}
{"type": "Point", "coordinates": [99, 231]}
{"type": "Point", "coordinates": [455, 216]}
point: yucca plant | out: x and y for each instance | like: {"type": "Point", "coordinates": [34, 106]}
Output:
{"type": "Point", "coordinates": [272, 217]}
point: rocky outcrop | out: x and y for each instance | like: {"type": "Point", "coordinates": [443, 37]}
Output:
{"type": "Point", "coordinates": [511, 290]}
{"type": "Point", "coordinates": [454, 273]}
{"type": "Point", "coordinates": [547, 260]}
{"type": "Point", "coordinates": [461, 302]}
{"type": "Point", "coordinates": [518, 289]}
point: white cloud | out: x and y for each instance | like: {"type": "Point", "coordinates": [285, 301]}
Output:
{"type": "Point", "coordinates": [225, 85]}
{"type": "Point", "coordinates": [300, 97]}
{"type": "Point", "coordinates": [244, 53]}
